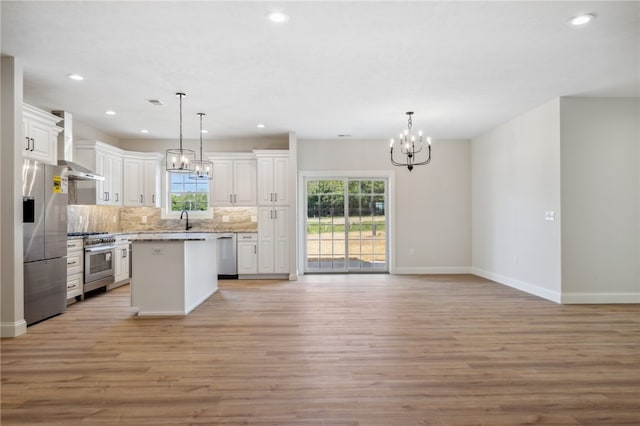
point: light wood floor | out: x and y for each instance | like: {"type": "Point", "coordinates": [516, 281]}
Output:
{"type": "Point", "coordinates": [331, 350]}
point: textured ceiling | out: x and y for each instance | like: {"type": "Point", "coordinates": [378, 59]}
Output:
{"type": "Point", "coordinates": [335, 68]}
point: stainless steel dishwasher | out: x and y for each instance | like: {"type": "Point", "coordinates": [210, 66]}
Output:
{"type": "Point", "coordinates": [227, 253]}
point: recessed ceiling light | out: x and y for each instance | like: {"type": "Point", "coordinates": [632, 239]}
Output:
{"type": "Point", "coordinates": [277, 17]}
{"type": "Point", "coordinates": [76, 77]}
{"type": "Point", "coordinates": [204, 131]}
{"type": "Point", "coordinates": [260, 126]}
{"type": "Point", "coordinates": [344, 135]}
{"type": "Point", "coordinates": [144, 131]}
{"type": "Point", "coordinates": [156, 102]}
{"type": "Point", "coordinates": [110, 112]}
{"type": "Point", "coordinates": [582, 19]}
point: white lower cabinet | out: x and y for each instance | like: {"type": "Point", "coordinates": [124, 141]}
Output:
{"type": "Point", "coordinates": [247, 253]}
{"type": "Point", "coordinates": [121, 265]}
{"type": "Point", "coordinates": [273, 240]}
{"type": "Point", "coordinates": [75, 267]}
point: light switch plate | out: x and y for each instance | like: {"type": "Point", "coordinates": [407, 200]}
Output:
{"type": "Point", "coordinates": [225, 219]}
{"type": "Point", "coordinates": [254, 218]}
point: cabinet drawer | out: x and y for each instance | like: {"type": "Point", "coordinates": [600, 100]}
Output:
{"type": "Point", "coordinates": [75, 263]}
{"type": "Point", "coordinates": [253, 236]}
{"type": "Point", "coordinates": [76, 244]}
{"type": "Point", "coordinates": [74, 286]}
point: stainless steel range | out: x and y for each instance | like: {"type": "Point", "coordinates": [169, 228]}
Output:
{"type": "Point", "coordinates": [99, 260]}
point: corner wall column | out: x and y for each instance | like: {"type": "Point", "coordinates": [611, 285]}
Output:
{"type": "Point", "coordinates": [12, 321]}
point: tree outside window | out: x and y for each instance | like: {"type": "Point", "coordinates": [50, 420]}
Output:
{"type": "Point", "coordinates": [188, 194]}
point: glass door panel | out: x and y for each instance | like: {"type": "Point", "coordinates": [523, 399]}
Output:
{"type": "Point", "coordinates": [346, 225]}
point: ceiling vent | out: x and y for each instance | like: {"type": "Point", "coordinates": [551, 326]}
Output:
{"type": "Point", "coordinates": [156, 102]}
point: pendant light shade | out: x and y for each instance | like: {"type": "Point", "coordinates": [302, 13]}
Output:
{"type": "Point", "coordinates": [180, 160]}
{"type": "Point", "coordinates": [203, 169]}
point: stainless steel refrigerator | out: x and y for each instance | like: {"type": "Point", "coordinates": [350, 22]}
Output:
{"type": "Point", "coordinates": [44, 203]}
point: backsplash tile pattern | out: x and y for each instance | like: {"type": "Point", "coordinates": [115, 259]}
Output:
{"type": "Point", "coordinates": [93, 218]}
{"type": "Point", "coordinates": [130, 219]}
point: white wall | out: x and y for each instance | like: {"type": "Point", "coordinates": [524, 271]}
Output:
{"type": "Point", "coordinates": [432, 203]}
{"type": "Point", "coordinates": [600, 195]}
{"type": "Point", "coordinates": [515, 174]}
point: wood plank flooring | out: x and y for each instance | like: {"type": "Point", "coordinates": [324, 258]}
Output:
{"type": "Point", "coordinates": [331, 350]}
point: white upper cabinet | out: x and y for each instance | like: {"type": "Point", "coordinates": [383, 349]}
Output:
{"type": "Point", "coordinates": [234, 181]}
{"type": "Point", "coordinates": [273, 177]}
{"type": "Point", "coordinates": [105, 160]}
{"type": "Point", "coordinates": [40, 134]}
{"type": "Point", "coordinates": [142, 179]}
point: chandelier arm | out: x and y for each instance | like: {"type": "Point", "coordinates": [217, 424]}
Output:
{"type": "Point", "coordinates": [427, 161]}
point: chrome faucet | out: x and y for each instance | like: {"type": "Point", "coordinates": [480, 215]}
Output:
{"type": "Point", "coordinates": [187, 227]}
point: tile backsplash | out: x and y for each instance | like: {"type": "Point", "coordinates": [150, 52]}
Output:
{"type": "Point", "coordinates": [83, 218]}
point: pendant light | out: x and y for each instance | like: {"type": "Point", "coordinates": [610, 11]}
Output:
{"type": "Point", "coordinates": [203, 168]}
{"type": "Point", "coordinates": [410, 146]}
{"type": "Point", "coordinates": [180, 160]}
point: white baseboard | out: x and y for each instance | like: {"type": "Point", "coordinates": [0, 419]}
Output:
{"type": "Point", "coordinates": [594, 298]}
{"type": "Point", "coordinates": [545, 293]}
{"type": "Point", "coordinates": [410, 270]}
{"type": "Point", "coordinates": [13, 329]}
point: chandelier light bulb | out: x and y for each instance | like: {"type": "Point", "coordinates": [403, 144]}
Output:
{"type": "Point", "coordinates": [391, 144]}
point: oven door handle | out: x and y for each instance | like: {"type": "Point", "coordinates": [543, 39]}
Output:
{"type": "Point", "coordinates": [95, 249]}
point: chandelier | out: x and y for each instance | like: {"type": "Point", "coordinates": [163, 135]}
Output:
{"type": "Point", "coordinates": [203, 169]}
{"type": "Point", "coordinates": [180, 160]}
{"type": "Point", "coordinates": [410, 147]}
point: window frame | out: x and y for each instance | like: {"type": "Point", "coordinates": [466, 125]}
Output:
{"type": "Point", "coordinates": [167, 213]}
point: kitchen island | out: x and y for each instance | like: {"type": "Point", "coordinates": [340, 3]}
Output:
{"type": "Point", "coordinates": [172, 273]}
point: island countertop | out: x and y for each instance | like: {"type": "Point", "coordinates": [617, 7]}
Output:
{"type": "Point", "coordinates": [174, 236]}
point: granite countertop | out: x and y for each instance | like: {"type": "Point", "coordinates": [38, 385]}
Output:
{"type": "Point", "coordinates": [172, 236]}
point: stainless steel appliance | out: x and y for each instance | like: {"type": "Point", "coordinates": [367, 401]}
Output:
{"type": "Point", "coordinates": [44, 210]}
{"type": "Point", "coordinates": [227, 253]}
{"type": "Point", "coordinates": [99, 261]}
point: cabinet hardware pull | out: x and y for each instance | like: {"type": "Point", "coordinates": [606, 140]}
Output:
{"type": "Point", "coordinates": [276, 194]}
{"type": "Point", "coordinates": [153, 198]}
{"type": "Point", "coordinates": [106, 196]}
{"type": "Point", "coordinates": [140, 198]}
{"type": "Point", "coordinates": [231, 198]}
{"type": "Point", "coordinates": [276, 212]}
{"type": "Point", "coordinates": [124, 252]}
{"type": "Point", "coordinates": [71, 263]}
{"type": "Point", "coordinates": [255, 249]}
{"type": "Point", "coordinates": [272, 197]}
{"type": "Point", "coordinates": [27, 148]}
{"type": "Point", "coordinates": [116, 197]}
{"type": "Point", "coordinates": [270, 214]}
{"type": "Point", "coordinates": [33, 144]}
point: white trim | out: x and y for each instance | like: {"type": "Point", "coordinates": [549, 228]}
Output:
{"type": "Point", "coordinates": [15, 329]}
{"type": "Point", "coordinates": [422, 270]}
{"type": "Point", "coordinates": [592, 298]}
{"type": "Point", "coordinates": [536, 290]}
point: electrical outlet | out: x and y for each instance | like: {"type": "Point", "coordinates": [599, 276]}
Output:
{"type": "Point", "coordinates": [515, 259]}
{"type": "Point", "coordinates": [157, 251]}
{"type": "Point", "coordinates": [80, 219]}
{"type": "Point", "coordinates": [114, 219]}
{"type": "Point", "coordinates": [225, 219]}
{"type": "Point", "coordinates": [254, 218]}
{"type": "Point", "coordinates": [144, 219]}
{"type": "Point", "coordinates": [412, 252]}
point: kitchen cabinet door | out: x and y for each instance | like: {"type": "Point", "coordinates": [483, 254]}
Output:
{"type": "Point", "coordinates": [273, 179]}
{"type": "Point", "coordinates": [133, 181]}
{"type": "Point", "coordinates": [40, 135]}
{"type": "Point", "coordinates": [247, 257]}
{"type": "Point", "coordinates": [273, 240]}
{"type": "Point", "coordinates": [234, 182]}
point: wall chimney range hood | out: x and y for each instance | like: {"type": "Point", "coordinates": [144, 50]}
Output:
{"type": "Point", "coordinates": [78, 172]}
{"type": "Point", "coordinates": [74, 171]}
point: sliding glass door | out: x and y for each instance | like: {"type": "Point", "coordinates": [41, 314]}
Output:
{"type": "Point", "coordinates": [346, 225]}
